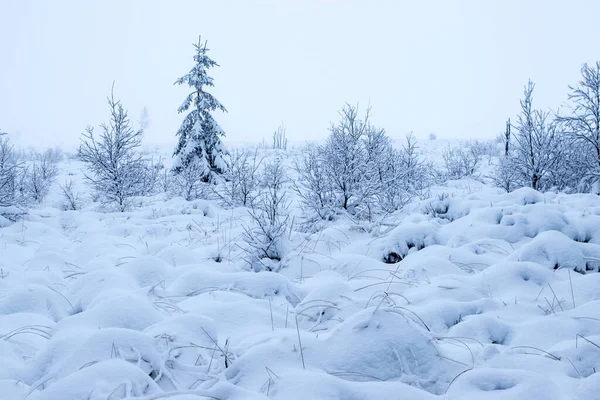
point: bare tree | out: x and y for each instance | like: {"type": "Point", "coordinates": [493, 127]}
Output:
{"type": "Point", "coordinates": [40, 176]}
{"type": "Point", "coordinates": [536, 142]}
{"type": "Point", "coordinates": [583, 123]}
{"type": "Point", "coordinates": [113, 159]}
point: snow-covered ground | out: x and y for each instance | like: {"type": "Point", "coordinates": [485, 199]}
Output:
{"type": "Point", "coordinates": [470, 294]}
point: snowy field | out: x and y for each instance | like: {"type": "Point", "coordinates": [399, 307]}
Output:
{"type": "Point", "coordinates": [472, 293]}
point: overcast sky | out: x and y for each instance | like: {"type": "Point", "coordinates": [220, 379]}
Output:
{"type": "Point", "coordinates": [455, 68]}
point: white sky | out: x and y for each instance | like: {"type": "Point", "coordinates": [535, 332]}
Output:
{"type": "Point", "coordinates": [456, 68]}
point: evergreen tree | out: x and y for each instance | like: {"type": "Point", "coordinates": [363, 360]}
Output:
{"type": "Point", "coordinates": [200, 143]}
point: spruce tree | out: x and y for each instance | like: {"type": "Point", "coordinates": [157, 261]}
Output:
{"type": "Point", "coordinates": [200, 143]}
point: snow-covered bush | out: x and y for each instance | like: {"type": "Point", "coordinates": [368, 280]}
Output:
{"type": "Point", "coordinates": [152, 173]}
{"type": "Point", "coordinates": [504, 175]}
{"type": "Point", "coordinates": [405, 176]}
{"type": "Point", "coordinates": [241, 179]}
{"type": "Point", "coordinates": [190, 183]}
{"type": "Point", "coordinates": [570, 172]}
{"type": "Point", "coordinates": [357, 172]}
{"type": "Point", "coordinates": [270, 219]}
{"type": "Point", "coordinates": [40, 175]}
{"type": "Point", "coordinates": [199, 134]}
{"type": "Point", "coordinates": [71, 198]}
{"type": "Point", "coordinates": [115, 165]}
{"type": "Point", "coordinates": [313, 186]}
{"type": "Point", "coordinates": [461, 161]}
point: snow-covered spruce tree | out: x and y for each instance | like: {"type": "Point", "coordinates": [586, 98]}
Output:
{"type": "Point", "coordinates": [582, 124]}
{"type": "Point", "coordinates": [270, 218]}
{"type": "Point", "coordinates": [200, 135]}
{"type": "Point", "coordinates": [115, 166]}
{"type": "Point", "coordinates": [535, 149]}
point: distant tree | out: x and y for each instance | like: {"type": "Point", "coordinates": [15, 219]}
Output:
{"type": "Point", "coordinates": [200, 135]}
{"type": "Point", "coordinates": [144, 121]}
{"type": "Point", "coordinates": [116, 167]}
{"type": "Point", "coordinates": [279, 138]}
{"type": "Point", "coordinates": [504, 175]}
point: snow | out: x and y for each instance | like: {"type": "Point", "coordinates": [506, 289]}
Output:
{"type": "Point", "coordinates": [470, 293]}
